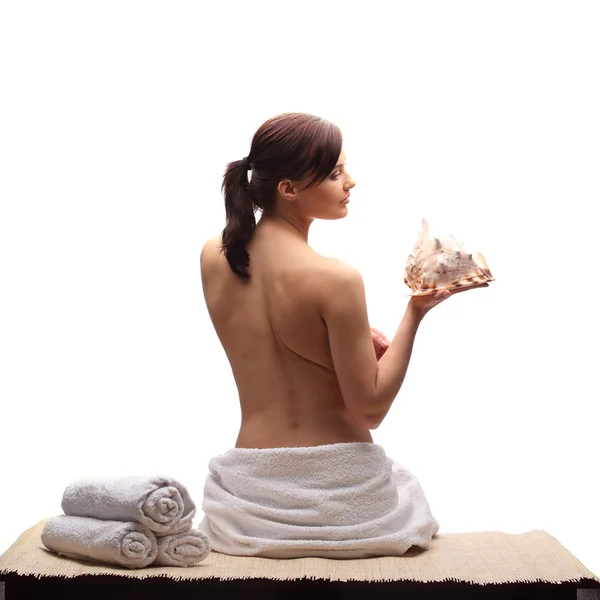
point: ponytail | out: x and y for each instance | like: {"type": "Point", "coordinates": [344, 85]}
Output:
{"type": "Point", "coordinates": [239, 216]}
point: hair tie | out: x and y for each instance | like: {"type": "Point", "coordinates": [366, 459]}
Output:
{"type": "Point", "coordinates": [246, 163]}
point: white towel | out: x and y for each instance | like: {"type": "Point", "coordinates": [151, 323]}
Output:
{"type": "Point", "coordinates": [122, 543]}
{"type": "Point", "coordinates": [346, 500]}
{"type": "Point", "coordinates": [160, 503]}
{"type": "Point", "coordinates": [182, 549]}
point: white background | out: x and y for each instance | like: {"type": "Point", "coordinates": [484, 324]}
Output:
{"type": "Point", "coordinates": [117, 122]}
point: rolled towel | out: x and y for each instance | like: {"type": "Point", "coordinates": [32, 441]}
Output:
{"type": "Point", "coordinates": [160, 503]}
{"type": "Point", "coordinates": [127, 544]}
{"type": "Point", "coordinates": [182, 549]}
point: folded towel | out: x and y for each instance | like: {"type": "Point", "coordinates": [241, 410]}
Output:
{"type": "Point", "coordinates": [345, 500]}
{"type": "Point", "coordinates": [127, 544]}
{"type": "Point", "coordinates": [182, 549]}
{"type": "Point", "coordinates": [160, 503]}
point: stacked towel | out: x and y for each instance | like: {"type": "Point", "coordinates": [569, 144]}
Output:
{"type": "Point", "coordinates": [130, 521]}
{"type": "Point", "coordinates": [123, 543]}
{"type": "Point", "coordinates": [182, 549]}
{"type": "Point", "coordinates": [162, 504]}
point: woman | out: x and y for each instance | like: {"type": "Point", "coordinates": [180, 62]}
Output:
{"type": "Point", "coordinates": [313, 377]}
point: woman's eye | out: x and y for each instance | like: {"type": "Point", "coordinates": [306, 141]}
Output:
{"type": "Point", "coordinates": [336, 176]}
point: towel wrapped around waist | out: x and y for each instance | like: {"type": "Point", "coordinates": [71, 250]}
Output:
{"type": "Point", "coordinates": [160, 503]}
{"type": "Point", "coordinates": [347, 500]}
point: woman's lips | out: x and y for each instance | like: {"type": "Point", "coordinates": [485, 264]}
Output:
{"type": "Point", "coordinates": [346, 200]}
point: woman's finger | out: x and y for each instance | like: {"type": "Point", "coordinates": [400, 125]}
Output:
{"type": "Point", "coordinates": [379, 336]}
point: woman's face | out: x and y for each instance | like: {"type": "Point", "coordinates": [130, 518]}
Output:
{"type": "Point", "coordinates": [323, 201]}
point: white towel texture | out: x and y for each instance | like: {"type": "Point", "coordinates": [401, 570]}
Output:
{"type": "Point", "coordinates": [160, 503]}
{"type": "Point", "coordinates": [123, 543]}
{"type": "Point", "coordinates": [347, 500]}
{"type": "Point", "coordinates": [182, 549]}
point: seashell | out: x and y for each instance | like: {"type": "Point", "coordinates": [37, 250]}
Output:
{"type": "Point", "coordinates": [443, 264]}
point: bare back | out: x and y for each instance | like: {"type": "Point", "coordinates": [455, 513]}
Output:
{"type": "Point", "coordinates": [277, 343]}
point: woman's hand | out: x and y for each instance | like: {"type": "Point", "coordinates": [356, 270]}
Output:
{"type": "Point", "coordinates": [380, 342]}
{"type": "Point", "coordinates": [423, 304]}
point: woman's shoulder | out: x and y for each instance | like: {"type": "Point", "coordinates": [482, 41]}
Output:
{"type": "Point", "coordinates": [213, 241]}
{"type": "Point", "coordinates": [336, 267]}
{"type": "Point", "coordinates": [211, 247]}
{"type": "Point", "coordinates": [331, 274]}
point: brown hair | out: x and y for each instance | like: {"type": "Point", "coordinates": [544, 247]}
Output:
{"type": "Point", "coordinates": [288, 146]}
